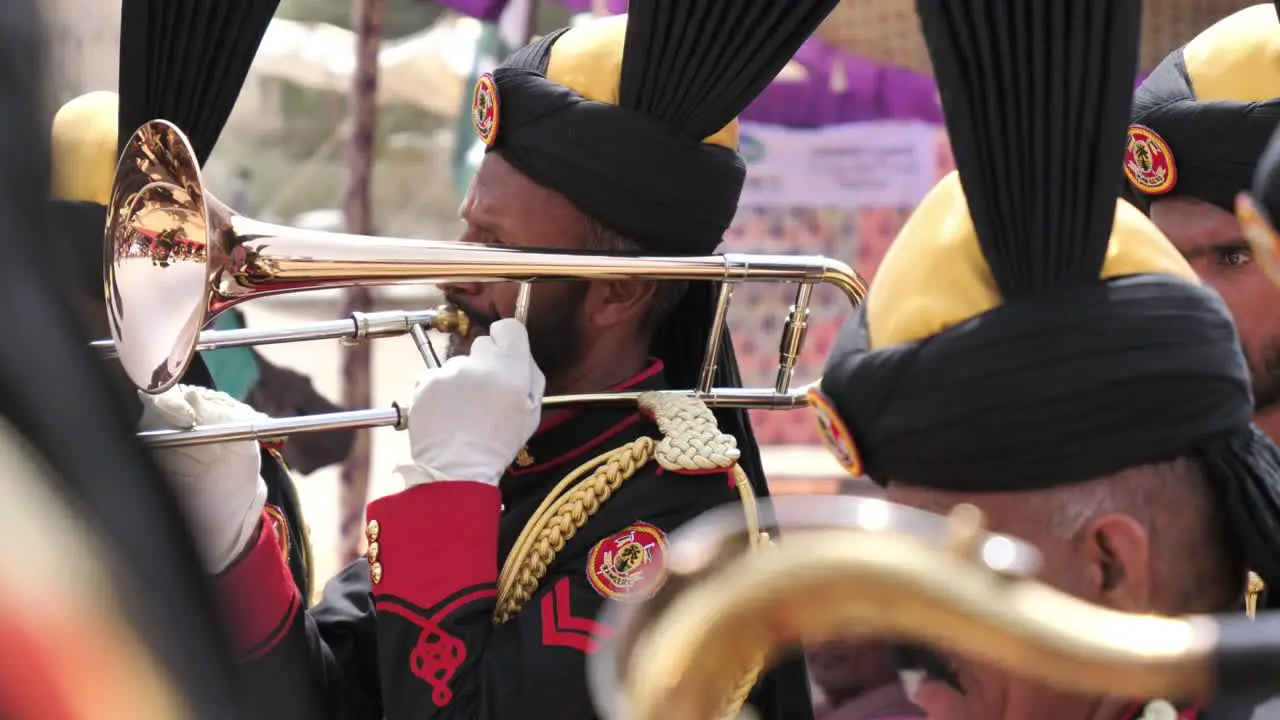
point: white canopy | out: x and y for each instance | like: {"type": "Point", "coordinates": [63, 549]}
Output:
{"type": "Point", "coordinates": [427, 70]}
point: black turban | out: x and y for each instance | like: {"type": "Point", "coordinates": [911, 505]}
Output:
{"type": "Point", "coordinates": [1209, 108]}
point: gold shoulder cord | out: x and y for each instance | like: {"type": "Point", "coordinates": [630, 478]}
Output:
{"type": "Point", "coordinates": [1251, 593]}
{"type": "Point", "coordinates": [691, 440]}
{"type": "Point", "coordinates": [304, 532]}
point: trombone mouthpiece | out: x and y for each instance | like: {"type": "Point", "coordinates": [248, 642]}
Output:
{"type": "Point", "coordinates": [449, 319]}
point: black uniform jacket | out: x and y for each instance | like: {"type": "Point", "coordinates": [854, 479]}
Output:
{"type": "Point", "coordinates": [421, 641]}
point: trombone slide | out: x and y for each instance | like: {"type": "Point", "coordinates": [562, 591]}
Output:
{"type": "Point", "coordinates": [278, 428]}
{"type": "Point", "coordinates": [271, 429]}
{"type": "Point", "coordinates": [354, 329]}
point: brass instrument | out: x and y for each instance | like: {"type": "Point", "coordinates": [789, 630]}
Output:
{"type": "Point", "coordinates": [355, 329]}
{"type": "Point", "coordinates": [176, 257]}
{"type": "Point", "coordinates": [865, 565]}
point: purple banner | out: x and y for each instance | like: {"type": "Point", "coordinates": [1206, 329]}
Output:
{"type": "Point", "coordinates": [482, 9]}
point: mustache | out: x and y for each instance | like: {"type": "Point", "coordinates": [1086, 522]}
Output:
{"type": "Point", "coordinates": [480, 317]}
{"type": "Point", "coordinates": [934, 666]}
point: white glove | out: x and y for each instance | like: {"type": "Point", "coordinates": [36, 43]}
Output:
{"type": "Point", "coordinates": [219, 485]}
{"type": "Point", "coordinates": [469, 418]}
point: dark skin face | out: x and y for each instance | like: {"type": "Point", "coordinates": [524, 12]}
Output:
{"type": "Point", "coordinates": [585, 336]}
{"type": "Point", "coordinates": [1211, 240]}
{"type": "Point", "coordinates": [1109, 562]}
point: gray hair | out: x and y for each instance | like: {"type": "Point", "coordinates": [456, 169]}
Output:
{"type": "Point", "coordinates": [666, 296]}
{"type": "Point", "coordinates": [1178, 508]}
{"type": "Point", "coordinates": [1141, 492]}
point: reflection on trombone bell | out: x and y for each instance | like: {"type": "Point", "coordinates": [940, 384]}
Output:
{"type": "Point", "coordinates": [158, 299]}
{"type": "Point", "coordinates": [876, 568]}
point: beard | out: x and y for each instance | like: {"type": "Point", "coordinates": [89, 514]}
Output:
{"type": "Point", "coordinates": [555, 328]}
{"type": "Point", "coordinates": [1266, 375]}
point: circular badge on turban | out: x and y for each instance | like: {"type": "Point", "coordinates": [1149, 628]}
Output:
{"type": "Point", "coordinates": [835, 434]}
{"type": "Point", "coordinates": [484, 109]}
{"type": "Point", "coordinates": [629, 565]}
{"type": "Point", "coordinates": [1148, 161]}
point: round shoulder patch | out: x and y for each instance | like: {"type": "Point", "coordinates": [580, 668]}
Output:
{"type": "Point", "coordinates": [1260, 235]}
{"type": "Point", "coordinates": [484, 109]}
{"type": "Point", "coordinates": [629, 565]}
{"type": "Point", "coordinates": [1148, 161]}
{"type": "Point", "coordinates": [835, 434]}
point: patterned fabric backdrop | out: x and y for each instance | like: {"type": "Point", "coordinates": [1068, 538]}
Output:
{"type": "Point", "coordinates": [859, 236]}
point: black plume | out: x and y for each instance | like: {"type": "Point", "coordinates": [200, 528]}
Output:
{"type": "Point", "coordinates": [694, 65]}
{"type": "Point", "coordinates": [1037, 99]}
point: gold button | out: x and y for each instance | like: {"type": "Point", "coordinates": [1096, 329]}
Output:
{"type": "Point", "coordinates": [372, 554]}
{"type": "Point", "coordinates": [372, 529]}
{"type": "Point", "coordinates": [375, 573]}
{"type": "Point", "coordinates": [523, 458]}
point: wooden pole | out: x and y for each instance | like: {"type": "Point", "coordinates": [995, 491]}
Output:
{"type": "Point", "coordinates": [357, 381]}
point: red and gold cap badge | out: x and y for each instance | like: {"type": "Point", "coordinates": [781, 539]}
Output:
{"type": "Point", "coordinates": [629, 565]}
{"type": "Point", "coordinates": [484, 109]}
{"type": "Point", "coordinates": [1148, 161]}
{"type": "Point", "coordinates": [835, 434]}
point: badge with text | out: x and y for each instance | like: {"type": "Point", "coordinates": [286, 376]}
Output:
{"type": "Point", "coordinates": [835, 434]}
{"type": "Point", "coordinates": [484, 109]}
{"type": "Point", "coordinates": [1148, 161]}
{"type": "Point", "coordinates": [629, 565]}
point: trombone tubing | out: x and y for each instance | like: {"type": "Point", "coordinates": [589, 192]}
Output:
{"type": "Point", "coordinates": [356, 328]}
{"type": "Point", "coordinates": [278, 258]}
{"type": "Point", "coordinates": [269, 429]}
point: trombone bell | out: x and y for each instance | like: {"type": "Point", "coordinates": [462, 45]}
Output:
{"type": "Point", "coordinates": [157, 266]}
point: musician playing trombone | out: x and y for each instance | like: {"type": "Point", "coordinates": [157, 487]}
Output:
{"type": "Point", "coordinates": [479, 593]}
{"type": "Point", "coordinates": [1200, 122]}
{"type": "Point", "coordinates": [1034, 347]}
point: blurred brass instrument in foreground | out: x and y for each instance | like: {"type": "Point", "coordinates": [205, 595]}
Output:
{"type": "Point", "coordinates": [175, 257]}
{"type": "Point", "coordinates": [865, 565]}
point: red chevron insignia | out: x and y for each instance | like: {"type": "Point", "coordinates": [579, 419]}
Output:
{"type": "Point", "coordinates": [560, 626]}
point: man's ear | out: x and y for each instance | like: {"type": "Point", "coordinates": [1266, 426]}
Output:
{"type": "Point", "coordinates": [611, 302]}
{"type": "Point", "coordinates": [1117, 551]}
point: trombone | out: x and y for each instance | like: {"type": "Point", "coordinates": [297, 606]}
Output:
{"type": "Point", "coordinates": [355, 329]}
{"type": "Point", "coordinates": [872, 567]}
{"type": "Point", "coordinates": [175, 257]}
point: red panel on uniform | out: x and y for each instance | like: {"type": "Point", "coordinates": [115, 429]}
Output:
{"type": "Point", "coordinates": [259, 595]}
{"type": "Point", "coordinates": [436, 539]}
